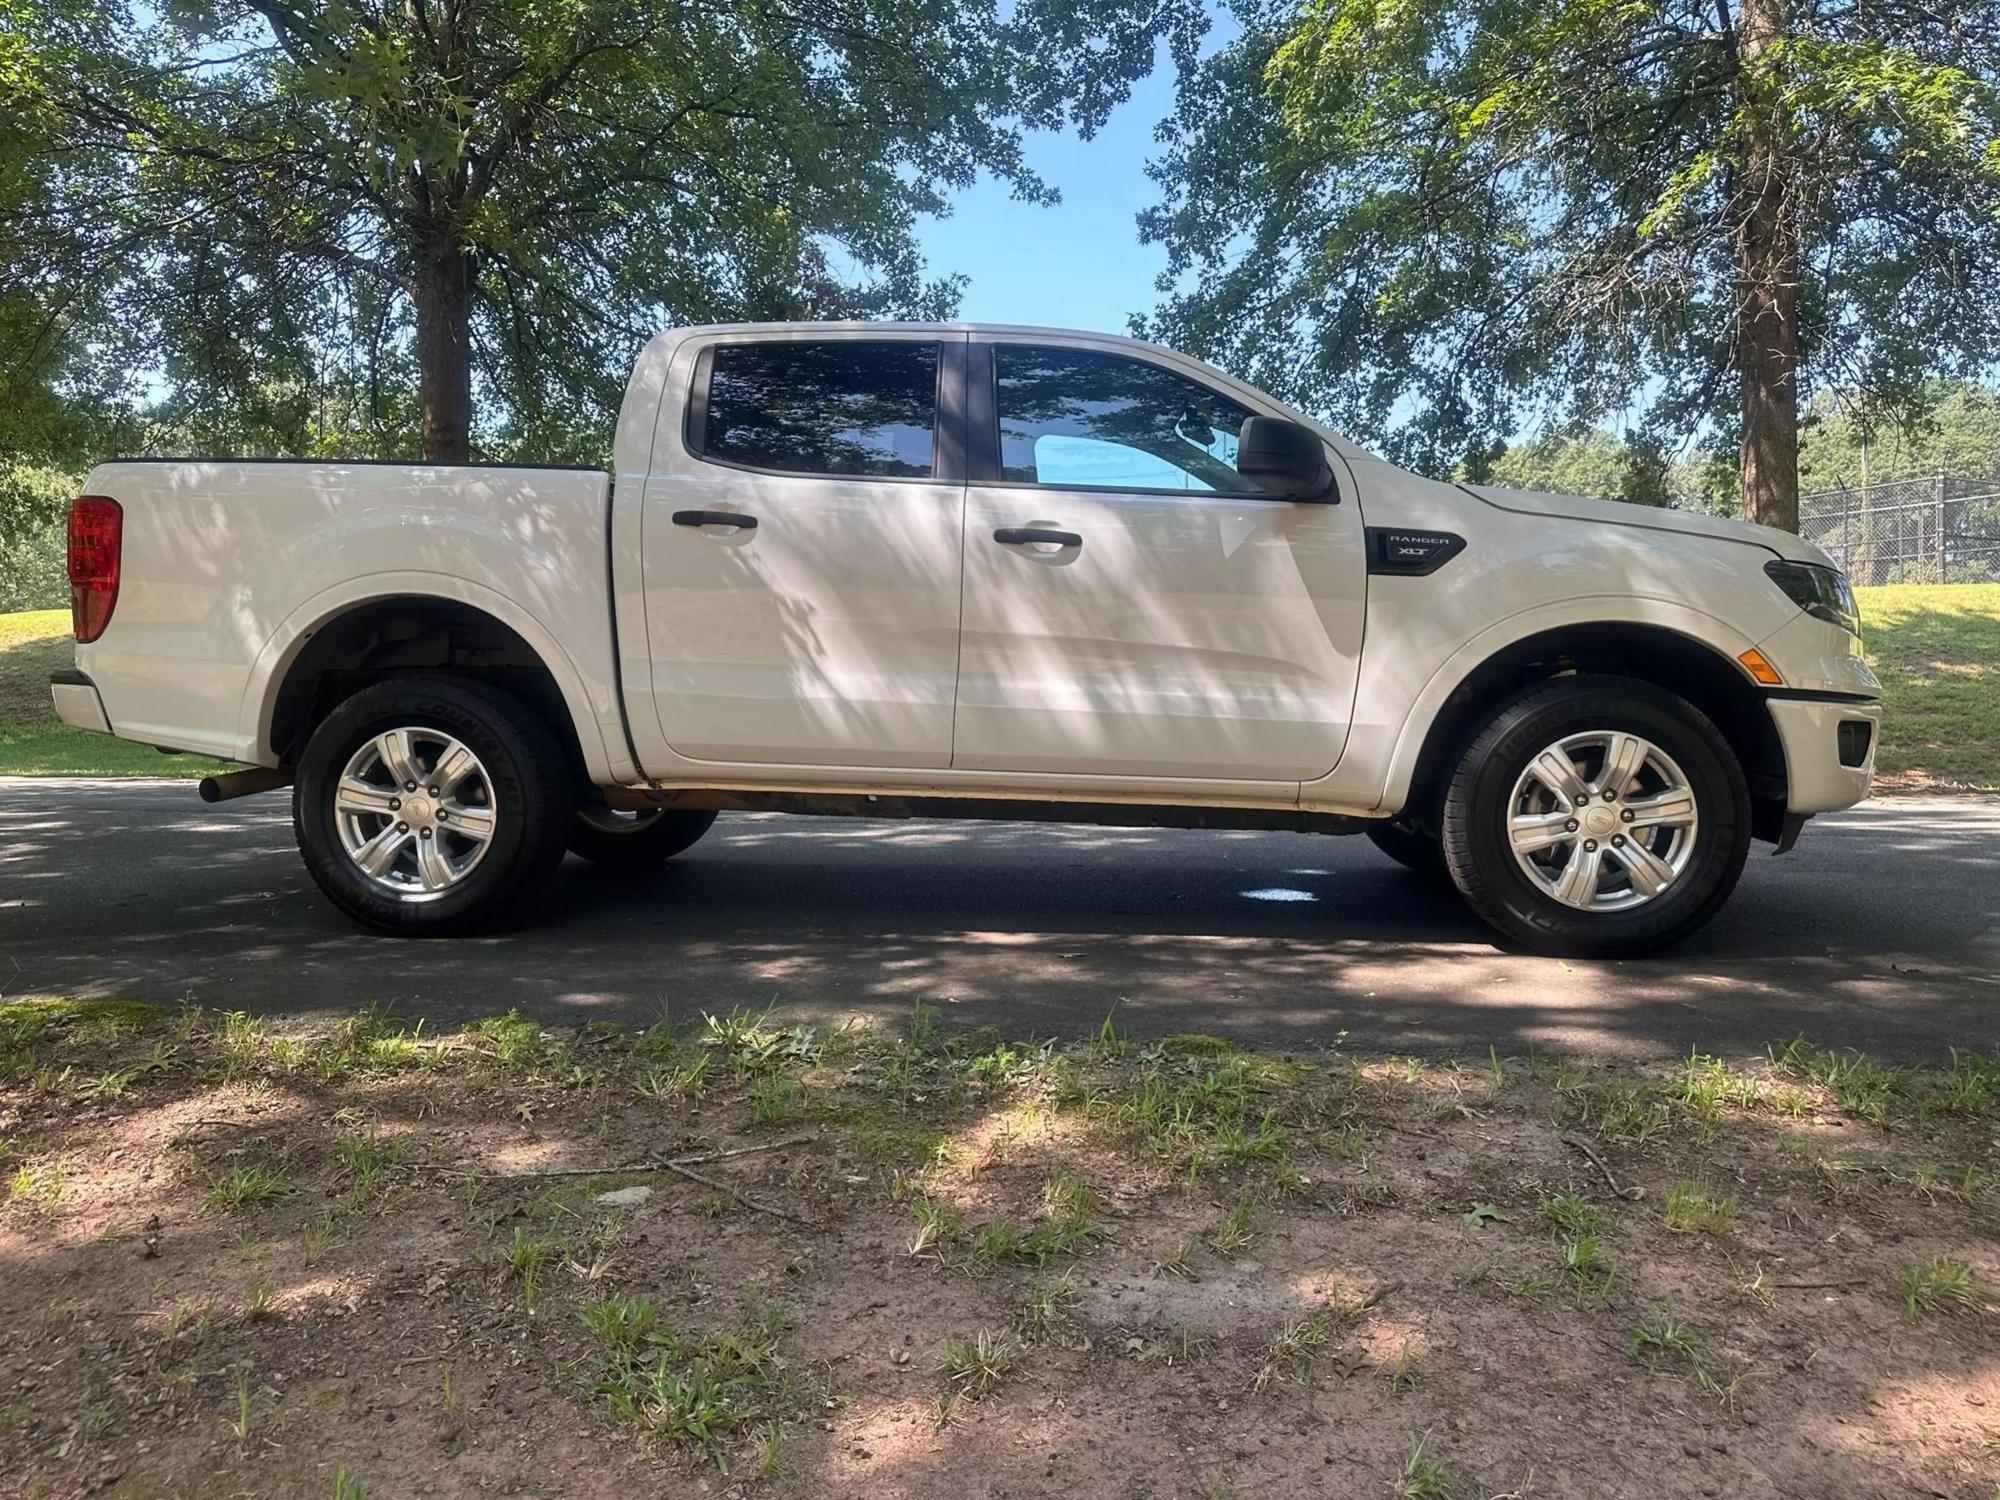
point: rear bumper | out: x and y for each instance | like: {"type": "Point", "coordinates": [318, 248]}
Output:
{"type": "Point", "coordinates": [77, 702]}
{"type": "Point", "coordinates": [1826, 766]}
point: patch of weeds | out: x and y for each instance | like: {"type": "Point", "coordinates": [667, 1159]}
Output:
{"type": "Point", "coordinates": [1049, 1303]}
{"type": "Point", "coordinates": [244, 1186]}
{"type": "Point", "coordinates": [526, 1258]}
{"type": "Point", "coordinates": [621, 1325]}
{"type": "Point", "coordinates": [1070, 1202]}
{"type": "Point", "coordinates": [776, 1100]}
{"type": "Point", "coordinates": [696, 1390]}
{"type": "Point", "coordinates": [1298, 1344]}
{"type": "Point", "coordinates": [260, 1305]}
{"type": "Point", "coordinates": [1582, 1262]}
{"type": "Point", "coordinates": [346, 1485]}
{"type": "Point", "coordinates": [770, 1452]}
{"type": "Point", "coordinates": [1968, 1086]}
{"type": "Point", "coordinates": [1423, 1477]}
{"type": "Point", "coordinates": [1661, 1333]}
{"type": "Point", "coordinates": [1569, 1212]}
{"type": "Point", "coordinates": [329, 1227]}
{"type": "Point", "coordinates": [975, 1366]}
{"type": "Point", "coordinates": [366, 1161]}
{"type": "Point", "coordinates": [102, 1088]}
{"type": "Point", "coordinates": [1941, 1284]}
{"type": "Point", "coordinates": [244, 1045]}
{"type": "Point", "coordinates": [36, 1182]}
{"type": "Point", "coordinates": [512, 1043]}
{"type": "Point", "coordinates": [1237, 1230]}
{"type": "Point", "coordinates": [1692, 1209]}
{"type": "Point", "coordinates": [1628, 1112]}
{"type": "Point", "coordinates": [753, 1048]}
{"type": "Point", "coordinates": [1005, 1065]}
{"type": "Point", "coordinates": [940, 1228]}
{"type": "Point", "coordinates": [684, 1079]}
{"type": "Point", "coordinates": [1703, 1089]}
{"type": "Point", "coordinates": [1404, 1376]}
{"type": "Point", "coordinates": [1861, 1086]}
{"type": "Point", "coordinates": [1191, 1112]}
{"type": "Point", "coordinates": [1175, 1262]}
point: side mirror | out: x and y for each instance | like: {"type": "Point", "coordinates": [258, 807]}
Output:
{"type": "Point", "coordinates": [1286, 458]}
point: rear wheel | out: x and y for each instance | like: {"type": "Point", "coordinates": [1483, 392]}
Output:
{"type": "Point", "coordinates": [635, 840]}
{"type": "Point", "coordinates": [1597, 817]}
{"type": "Point", "coordinates": [1410, 848]}
{"type": "Point", "coordinates": [430, 805]}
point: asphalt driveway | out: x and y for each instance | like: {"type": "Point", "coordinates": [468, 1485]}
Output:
{"type": "Point", "coordinates": [1882, 931]}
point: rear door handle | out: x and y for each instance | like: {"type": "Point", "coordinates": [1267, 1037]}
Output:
{"type": "Point", "coordinates": [715, 518]}
{"type": "Point", "coordinates": [1014, 536]}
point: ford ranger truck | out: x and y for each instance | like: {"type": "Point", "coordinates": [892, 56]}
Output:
{"type": "Point", "coordinates": [957, 571]}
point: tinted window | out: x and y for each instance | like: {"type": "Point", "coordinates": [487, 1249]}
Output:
{"type": "Point", "coordinates": [839, 407]}
{"type": "Point", "coordinates": [1078, 417]}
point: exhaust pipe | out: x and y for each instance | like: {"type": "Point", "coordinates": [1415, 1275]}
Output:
{"type": "Point", "coordinates": [245, 783]}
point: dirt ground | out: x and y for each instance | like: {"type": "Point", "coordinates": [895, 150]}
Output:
{"type": "Point", "coordinates": [371, 1261]}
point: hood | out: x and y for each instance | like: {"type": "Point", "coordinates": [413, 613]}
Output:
{"type": "Point", "coordinates": [1649, 518]}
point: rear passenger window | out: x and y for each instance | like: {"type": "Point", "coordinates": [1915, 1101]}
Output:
{"type": "Point", "coordinates": [842, 406]}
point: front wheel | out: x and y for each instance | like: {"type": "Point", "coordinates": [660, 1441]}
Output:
{"type": "Point", "coordinates": [1597, 817]}
{"type": "Point", "coordinates": [432, 805]}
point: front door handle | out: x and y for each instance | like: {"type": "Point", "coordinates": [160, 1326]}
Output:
{"type": "Point", "coordinates": [1014, 536]}
{"type": "Point", "coordinates": [715, 518]}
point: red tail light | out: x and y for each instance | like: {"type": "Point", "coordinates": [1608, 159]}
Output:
{"type": "Point", "coordinates": [96, 538]}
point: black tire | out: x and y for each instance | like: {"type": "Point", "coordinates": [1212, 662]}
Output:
{"type": "Point", "coordinates": [637, 842]}
{"type": "Point", "coordinates": [533, 801]}
{"type": "Point", "coordinates": [1412, 849]}
{"type": "Point", "coordinates": [1481, 860]}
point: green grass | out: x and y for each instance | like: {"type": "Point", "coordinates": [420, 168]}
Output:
{"type": "Point", "coordinates": [33, 741]}
{"type": "Point", "coordinates": [1937, 651]}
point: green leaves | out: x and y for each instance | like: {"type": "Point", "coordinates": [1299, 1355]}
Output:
{"type": "Point", "coordinates": [267, 192]}
{"type": "Point", "coordinates": [1444, 223]}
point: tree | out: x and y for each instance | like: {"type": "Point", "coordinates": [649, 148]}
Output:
{"type": "Point", "coordinates": [1437, 222]}
{"type": "Point", "coordinates": [497, 200]}
{"type": "Point", "coordinates": [1958, 436]}
{"type": "Point", "coordinates": [1593, 463]}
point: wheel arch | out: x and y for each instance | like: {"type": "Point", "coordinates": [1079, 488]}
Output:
{"type": "Point", "coordinates": [1669, 658]}
{"type": "Point", "coordinates": [332, 648]}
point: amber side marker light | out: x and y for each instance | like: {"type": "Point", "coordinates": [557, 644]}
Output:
{"type": "Point", "coordinates": [1757, 666]}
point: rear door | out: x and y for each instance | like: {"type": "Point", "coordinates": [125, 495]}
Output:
{"type": "Point", "coordinates": [802, 557]}
{"type": "Point", "coordinates": [1132, 605]}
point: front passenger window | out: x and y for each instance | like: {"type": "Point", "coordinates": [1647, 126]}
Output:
{"type": "Point", "coordinates": [1079, 417]}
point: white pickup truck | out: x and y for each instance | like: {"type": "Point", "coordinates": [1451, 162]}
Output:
{"type": "Point", "coordinates": [960, 571]}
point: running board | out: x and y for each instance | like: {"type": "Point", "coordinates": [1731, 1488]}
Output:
{"type": "Point", "coordinates": [992, 809]}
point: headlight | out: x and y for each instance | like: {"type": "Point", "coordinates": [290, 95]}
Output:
{"type": "Point", "coordinates": [1821, 592]}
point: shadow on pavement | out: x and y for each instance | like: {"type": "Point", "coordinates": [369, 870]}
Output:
{"type": "Point", "coordinates": [1882, 932]}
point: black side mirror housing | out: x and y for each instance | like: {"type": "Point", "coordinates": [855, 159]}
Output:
{"type": "Point", "coordinates": [1287, 458]}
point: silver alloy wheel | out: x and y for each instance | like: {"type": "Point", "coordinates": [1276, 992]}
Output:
{"type": "Point", "coordinates": [414, 810]}
{"type": "Point", "coordinates": [1602, 821]}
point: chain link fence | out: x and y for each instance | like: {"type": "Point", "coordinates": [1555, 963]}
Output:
{"type": "Point", "coordinates": [1934, 530]}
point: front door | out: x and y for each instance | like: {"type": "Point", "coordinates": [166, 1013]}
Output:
{"type": "Point", "coordinates": [802, 564]}
{"type": "Point", "coordinates": [1133, 607]}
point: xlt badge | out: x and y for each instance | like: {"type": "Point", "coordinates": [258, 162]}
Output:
{"type": "Point", "coordinates": [1411, 553]}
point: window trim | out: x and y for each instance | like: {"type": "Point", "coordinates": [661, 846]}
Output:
{"type": "Point", "coordinates": [947, 429]}
{"type": "Point", "coordinates": [983, 425]}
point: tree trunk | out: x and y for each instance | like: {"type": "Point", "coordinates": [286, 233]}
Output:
{"type": "Point", "coordinates": [443, 295]}
{"type": "Point", "coordinates": [1767, 276]}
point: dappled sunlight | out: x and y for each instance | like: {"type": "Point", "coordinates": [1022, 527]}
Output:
{"type": "Point", "coordinates": [944, 1260]}
{"type": "Point", "coordinates": [1037, 927]}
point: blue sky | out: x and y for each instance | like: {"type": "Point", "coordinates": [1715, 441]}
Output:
{"type": "Point", "coordinates": [1080, 263]}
